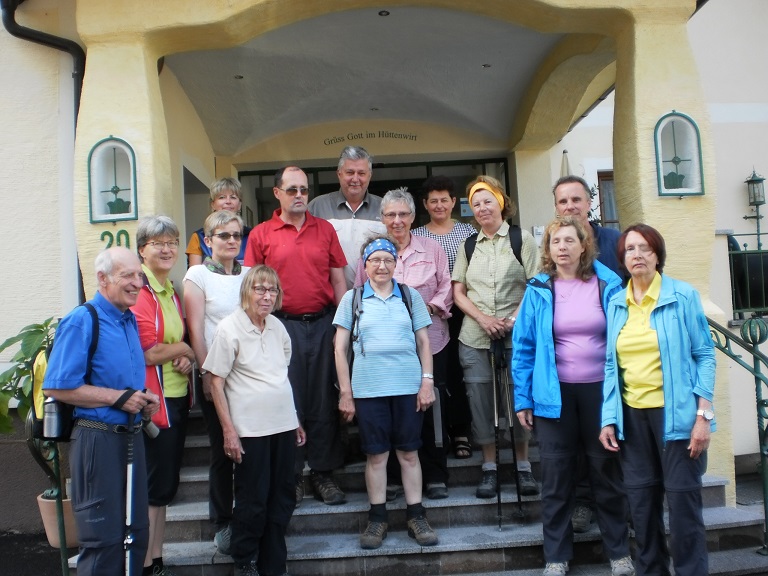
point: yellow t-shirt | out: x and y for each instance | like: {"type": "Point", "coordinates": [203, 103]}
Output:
{"type": "Point", "coordinates": [637, 352]}
{"type": "Point", "coordinates": [174, 383]}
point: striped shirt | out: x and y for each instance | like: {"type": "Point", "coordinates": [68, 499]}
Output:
{"type": "Point", "coordinates": [451, 241]}
{"type": "Point", "coordinates": [495, 280]}
{"type": "Point", "coordinates": [386, 360]}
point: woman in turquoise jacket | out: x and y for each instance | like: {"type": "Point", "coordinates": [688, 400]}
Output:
{"type": "Point", "coordinates": [659, 386]}
{"type": "Point", "coordinates": [557, 366]}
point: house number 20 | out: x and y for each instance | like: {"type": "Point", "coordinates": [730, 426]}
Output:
{"type": "Point", "coordinates": [119, 239]}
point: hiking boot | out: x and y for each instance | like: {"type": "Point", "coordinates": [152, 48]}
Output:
{"type": "Point", "coordinates": [326, 489]}
{"type": "Point", "coordinates": [622, 567]}
{"type": "Point", "coordinates": [487, 486]}
{"type": "Point", "coordinates": [222, 540]}
{"type": "Point", "coordinates": [393, 491]}
{"type": "Point", "coordinates": [581, 518]}
{"type": "Point", "coordinates": [436, 490]}
{"type": "Point", "coordinates": [420, 529]}
{"type": "Point", "coordinates": [299, 489]}
{"type": "Point", "coordinates": [248, 569]}
{"type": "Point", "coordinates": [528, 484]}
{"type": "Point", "coordinates": [555, 569]}
{"type": "Point", "coordinates": [373, 535]}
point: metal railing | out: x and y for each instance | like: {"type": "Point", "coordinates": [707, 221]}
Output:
{"type": "Point", "coordinates": [754, 332]}
{"type": "Point", "coordinates": [748, 264]}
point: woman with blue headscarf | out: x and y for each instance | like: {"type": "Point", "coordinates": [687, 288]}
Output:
{"type": "Point", "coordinates": [390, 387]}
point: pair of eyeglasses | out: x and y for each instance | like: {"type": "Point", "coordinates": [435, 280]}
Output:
{"type": "Point", "coordinates": [227, 235]}
{"type": "Point", "coordinates": [293, 190]}
{"type": "Point", "coordinates": [388, 262]}
{"type": "Point", "coordinates": [393, 215]}
{"type": "Point", "coordinates": [261, 290]}
{"type": "Point", "coordinates": [172, 244]}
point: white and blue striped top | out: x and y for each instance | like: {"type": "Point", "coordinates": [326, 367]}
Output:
{"type": "Point", "coordinates": [390, 364]}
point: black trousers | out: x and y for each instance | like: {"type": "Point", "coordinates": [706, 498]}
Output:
{"type": "Point", "coordinates": [559, 441]}
{"type": "Point", "coordinates": [220, 471]}
{"type": "Point", "coordinates": [651, 468]}
{"type": "Point", "coordinates": [458, 418]}
{"type": "Point", "coordinates": [312, 374]}
{"type": "Point", "coordinates": [434, 463]}
{"type": "Point", "coordinates": [164, 454]}
{"type": "Point", "coordinates": [265, 496]}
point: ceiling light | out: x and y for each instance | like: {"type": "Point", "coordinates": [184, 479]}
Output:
{"type": "Point", "coordinates": [374, 109]}
{"type": "Point", "coordinates": [383, 12]}
{"type": "Point", "coordinates": [486, 65]}
{"type": "Point", "coordinates": [238, 76]}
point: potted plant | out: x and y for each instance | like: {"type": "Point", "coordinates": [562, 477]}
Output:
{"type": "Point", "coordinates": [16, 383]}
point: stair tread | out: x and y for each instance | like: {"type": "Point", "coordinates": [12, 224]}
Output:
{"type": "Point", "coordinates": [513, 534]}
{"type": "Point", "coordinates": [358, 502]}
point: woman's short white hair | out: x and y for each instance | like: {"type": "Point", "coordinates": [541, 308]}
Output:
{"type": "Point", "coordinates": [398, 195]}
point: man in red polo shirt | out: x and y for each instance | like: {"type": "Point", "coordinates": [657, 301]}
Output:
{"type": "Point", "coordinates": [308, 258]}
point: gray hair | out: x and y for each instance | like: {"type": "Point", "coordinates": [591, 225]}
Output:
{"type": "Point", "coordinates": [398, 195]}
{"type": "Point", "coordinates": [103, 263]}
{"type": "Point", "coordinates": [222, 184]}
{"type": "Point", "coordinates": [155, 227]}
{"type": "Point", "coordinates": [355, 153]}
{"type": "Point", "coordinates": [218, 219]}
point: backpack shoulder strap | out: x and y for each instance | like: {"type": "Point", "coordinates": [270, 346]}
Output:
{"type": "Point", "coordinates": [469, 246]}
{"type": "Point", "coordinates": [516, 241]}
{"type": "Point", "coordinates": [94, 339]}
{"type": "Point", "coordinates": [357, 302]}
{"type": "Point", "coordinates": [407, 300]}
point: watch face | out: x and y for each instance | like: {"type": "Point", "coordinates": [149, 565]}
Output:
{"type": "Point", "coordinates": [709, 415]}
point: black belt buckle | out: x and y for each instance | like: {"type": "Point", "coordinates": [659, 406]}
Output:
{"type": "Point", "coordinates": [121, 429]}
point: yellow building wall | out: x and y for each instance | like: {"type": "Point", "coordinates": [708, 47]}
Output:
{"type": "Point", "coordinates": [37, 142]}
{"type": "Point", "coordinates": [189, 148]}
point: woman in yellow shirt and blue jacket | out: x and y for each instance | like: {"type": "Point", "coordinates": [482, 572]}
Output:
{"type": "Point", "coordinates": [657, 406]}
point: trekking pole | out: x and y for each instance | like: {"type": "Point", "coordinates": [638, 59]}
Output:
{"type": "Point", "coordinates": [505, 382]}
{"type": "Point", "coordinates": [129, 496]}
{"type": "Point", "coordinates": [496, 429]}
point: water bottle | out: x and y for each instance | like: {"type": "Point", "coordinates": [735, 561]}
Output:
{"type": "Point", "coordinates": [150, 428]}
{"type": "Point", "coordinates": [51, 419]}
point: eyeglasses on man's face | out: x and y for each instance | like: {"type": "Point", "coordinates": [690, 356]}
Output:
{"type": "Point", "coordinates": [227, 235]}
{"type": "Point", "coordinates": [261, 290]}
{"type": "Point", "coordinates": [293, 190]}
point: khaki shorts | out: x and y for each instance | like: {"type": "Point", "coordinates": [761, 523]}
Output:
{"type": "Point", "coordinates": [479, 383]}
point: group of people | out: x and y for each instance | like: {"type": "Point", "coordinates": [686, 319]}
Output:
{"type": "Point", "coordinates": [337, 309]}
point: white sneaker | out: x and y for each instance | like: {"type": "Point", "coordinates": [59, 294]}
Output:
{"type": "Point", "coordinates": [555, 569]}
{"type": "Point", "coordinates": [622, 567]}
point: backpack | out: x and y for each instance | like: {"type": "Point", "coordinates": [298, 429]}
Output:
{"type": "Point", "coordinates": [357, 304]}
{"type": "Point", "coordinates": [66, 411]}
{"type": "Point", "coordinates": [515, 240]}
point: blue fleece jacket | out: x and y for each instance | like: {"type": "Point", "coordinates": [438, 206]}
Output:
{"type": "Point", "coordinates": [687, 358]}
{"type": "Point", "coordinates": [534, 372]}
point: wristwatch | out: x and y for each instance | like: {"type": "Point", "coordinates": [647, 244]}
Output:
{"type": "Point", "coordinates": [428, 375]}
{"type": "Point", "coordinates": [707, 414]}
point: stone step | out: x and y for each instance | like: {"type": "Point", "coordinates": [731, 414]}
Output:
{"type": "Point", "coordinates": [187, 521]}
{"type": "Point", "coordinates": [733, 534]}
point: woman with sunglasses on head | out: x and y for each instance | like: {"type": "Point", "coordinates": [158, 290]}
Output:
{"type": "Point", "coordinates": [225, 195]}
{"type": "Point", "coordinates": [211, 292]}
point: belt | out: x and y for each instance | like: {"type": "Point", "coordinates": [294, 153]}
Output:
{"type": "Point", "coordinates": [311, 317]}
{"type": "Point", "coordinates": [114, 428]}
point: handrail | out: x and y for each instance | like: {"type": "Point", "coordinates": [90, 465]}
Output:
{"type": "Point", "coordinates": [754, 332]}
